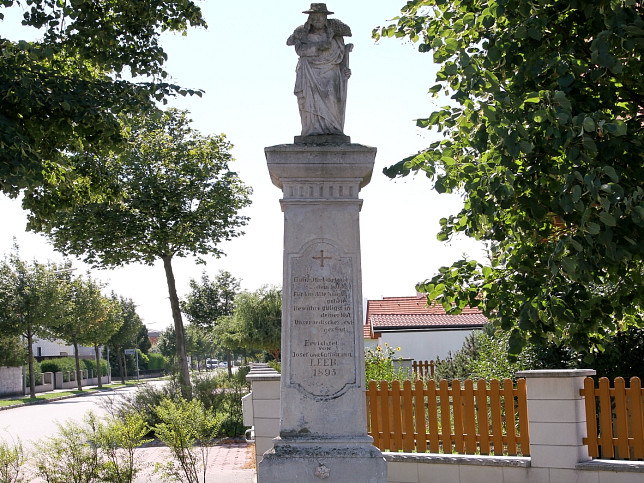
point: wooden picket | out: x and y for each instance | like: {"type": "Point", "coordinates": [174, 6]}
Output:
{"type": "Point", "coordinates": [423, 369]}
{"type": "Point", "coordinates": [614, 418]}
{"type": "Point", "coordinates": [465, 419]}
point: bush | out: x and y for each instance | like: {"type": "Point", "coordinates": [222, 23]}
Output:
{"type": "Point", "coordinates": [379, 365]}
{"type": "Point", "coordinates": [117, 439]}
{"type": "Point", "coordinates": [90, 365]}
{"type": "Point", "coordinates": [157, 362]}
{"type": "Point", "coordinates": [222, 395]}
{"type": "Point", "coordinates": [68, 456]}
{"type": "Point", "coordinates": [145, 399]}
{"type": "Point", "coordinates": [182, 424]}
{"type": "Point", "coordinates": [12, 460]}
{"type": "Point", "coordinates": [91, 451]}
{"type": "Point", "coordinates": [484, 355]}
{"type": "Point", "coordinates": [60, 364]}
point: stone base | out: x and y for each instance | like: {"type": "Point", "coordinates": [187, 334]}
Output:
{"type": "Point", "coordinates": [323, 139]}
{"type": "Point", "coordinates": [314, 460]}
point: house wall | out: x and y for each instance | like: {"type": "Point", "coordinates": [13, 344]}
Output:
{"type": "Point", "coordinates": [11, 382]}
{"type": "Point", "coordinates": [49, 348]}
{"type": "Point", "coordinates": [425, 345]}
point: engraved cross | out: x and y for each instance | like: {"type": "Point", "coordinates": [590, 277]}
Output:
{"type": "Point", "coordinates": [321, 258]}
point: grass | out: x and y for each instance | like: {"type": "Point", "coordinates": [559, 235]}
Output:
{"type": "Point", "coordinates": [40, 398]}
{"type": "Point", "coordinates": [43, 397]}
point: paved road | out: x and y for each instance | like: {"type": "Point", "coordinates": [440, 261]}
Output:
{"type": "Point", "coordinates": [229, 463]}
{"type": "Point", "coordinates": [38, 421]}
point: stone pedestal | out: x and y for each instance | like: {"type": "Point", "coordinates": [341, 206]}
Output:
{"type": "Point", "coordinates": [323, 431]}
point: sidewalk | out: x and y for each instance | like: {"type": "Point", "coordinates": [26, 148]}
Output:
{"type": "Point", "coordinates": [232, 462]}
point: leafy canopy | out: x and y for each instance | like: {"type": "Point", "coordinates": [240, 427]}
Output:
{"type": "Point", "coordinates": [176, 197]}
{"type": "Point", "coordinates": [257, 320]}
{"type": "Point", "coordinates": [63, 92]}
{"type": "Point", "coordinates": [543, 136]}
{"type": "Point", "coordinates": [208, 300]}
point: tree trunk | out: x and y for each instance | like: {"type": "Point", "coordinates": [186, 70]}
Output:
{"type": "Point", "coordinates": [124, 358]}
{"type": "Point", "coordinates": [32, 375]}
{"type": "Point", "coordinates": [119, 361]}
{"type": "Point", "coordinates": [98, 366]}
{"type": "Point", "coordinates": [182, 359]}
{"type": "Point", "coordinates": [229, 361]}
{"type": "Point", "coordinates": [78, 371]}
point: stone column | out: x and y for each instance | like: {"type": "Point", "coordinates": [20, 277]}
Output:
{"type": "Point", "coordinates": [323, 431]}
{"type": "Point", "coordinates": [557, 419]}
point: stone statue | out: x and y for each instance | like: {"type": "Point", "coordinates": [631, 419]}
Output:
{"type": "Point", "coordinates": [322, 71]}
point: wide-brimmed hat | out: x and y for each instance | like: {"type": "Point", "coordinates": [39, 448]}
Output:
{"type": "Point", "coordinates": [318, 8]}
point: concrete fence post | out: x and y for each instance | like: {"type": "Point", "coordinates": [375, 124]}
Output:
{"type": "Point", "coordinates": [265, 409]}
{"type": "Point", "coordinates": [557, 420]}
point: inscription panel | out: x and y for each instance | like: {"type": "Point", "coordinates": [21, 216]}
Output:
{"type": "Point", "coordinates": [322, 322]}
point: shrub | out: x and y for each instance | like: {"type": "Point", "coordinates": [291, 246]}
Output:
{"type": "Point", "coordinates": [12, 460]}
{"type": "Point", "coordinates": [145, 399]}
{"type": "Point", "coordinates": [379, 365]}
{"type": "Point", "coordinates": [157, 362]}
{"type": "Point", "coordinates": [60, 364]}
{"type": "Point", "coordinates": [68, 456]}
{"type": "Point", "coordinates": [182, 424]}
{"type": "Point", "coordinates": [117, 439]}
{"type": "Point", "coordinates": [91, 451]}
{"type": "Point", "coordinates": [90, 365]}
{"type": "Point", "coordinates": [222, 395]}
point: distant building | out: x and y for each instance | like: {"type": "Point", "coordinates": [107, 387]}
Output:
{"type": "Point", "coordinates": [422, 332]}
{"type": "Point", "coordinates": [153, 335]}
{"type": "Point", "coordinates": [44, 348]}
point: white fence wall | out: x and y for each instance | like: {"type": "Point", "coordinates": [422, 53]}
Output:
{"type": "Point", "coordinates": [556, 420]}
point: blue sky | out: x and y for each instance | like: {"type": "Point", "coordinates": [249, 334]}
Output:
{"type": "Point", "coordinates": [247, 72]}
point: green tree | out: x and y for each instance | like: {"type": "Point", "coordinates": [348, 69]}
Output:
{"type": "Point", "coordinates": [210, 300]}
{"type": "Point", "coordinates": [12, 352]}
{"type": "Point", "coordinates": [167, 343]}
{"type": "Point", "coordinates": [259, 318]}
{"type": "Point", "coordinates": [99, 330]}
{"type": "Point", "coordinates": [29, 303]}
{"type": "Point", "coordinates": [199, 342]}
{"type": "Point", "coordinates": [86, 311]}
{"type": "Point", "coordinates": [544, 138]}
{"type": "Point", "coordinates": [125, 336]}
{"type": "Point", "coordinates": [143, 340]}
{"type": "Point", "coordinates": [63, 93]}
{"type": "Point", "coordinates": [177, 198]}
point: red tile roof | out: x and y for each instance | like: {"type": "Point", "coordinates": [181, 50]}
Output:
{"type": "Point", "coordinates": [414, 313]}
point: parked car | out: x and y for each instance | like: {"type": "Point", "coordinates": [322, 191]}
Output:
{"type": "Point", "coordinates": [223, 364]}
{"type": "Point", "coordinates": [211, 363]}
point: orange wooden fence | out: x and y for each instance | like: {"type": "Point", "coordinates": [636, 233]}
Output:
{"type": "Point", "coordinates": [423, 368]}
{"type": "Point", "coordinates": [466, 420]}
{"type": "Point", "coordinates": [614, 418]}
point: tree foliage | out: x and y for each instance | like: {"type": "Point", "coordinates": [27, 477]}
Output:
{"type": "Point", "coordinates": [257, 320]}
{"type": "Point", "coordinates": [87, 317]}
{"type": "Point", "coordinates": [126, 335]}
{"type": "Point", "coordinates": [63, 93]}
{"type": "Point", "coordinates": [543, 136]}
{"type": "Point", "coordinates": [30, 298]}
{"type": "Point", "coordinates": [177, 197]}
{"type": "Point", "coordinates": [209, 300]}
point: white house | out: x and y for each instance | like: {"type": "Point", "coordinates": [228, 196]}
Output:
{"type": "Point", "coordinates": [58, 348]}
{"type": "Point", "coordinates": [422, 332]}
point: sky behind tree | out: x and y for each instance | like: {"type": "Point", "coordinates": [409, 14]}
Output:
{"type": "Point", "coordinates": [248, 73]}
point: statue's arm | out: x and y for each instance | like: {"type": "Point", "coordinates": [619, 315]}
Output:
{"type": "Point", "coordinates": [303, 47]}
{"type": "Point", "coordinates": [339, 28]}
